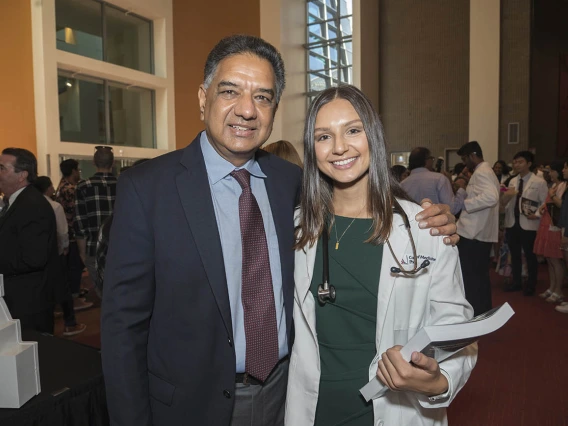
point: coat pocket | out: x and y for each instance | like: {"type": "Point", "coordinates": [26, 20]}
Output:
{"type": "Point", "coordinates": [410, 302]}
{"type": "Point", "coordinates": [160, 389]}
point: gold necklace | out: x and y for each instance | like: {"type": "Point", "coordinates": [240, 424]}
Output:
{"type": "Point", "coordinates": [337, 240]}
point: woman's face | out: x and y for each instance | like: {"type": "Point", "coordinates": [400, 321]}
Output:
{"type": "Point", "coordinates": [341, 146]}
{"type": "Point", "coordinates": [498, 169]}
{"type": "Point", "coordinates": [554, 175]}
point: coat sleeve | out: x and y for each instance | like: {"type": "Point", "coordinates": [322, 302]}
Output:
{"type": "Point", "coordinates": [449, 306]}
{"type": "Point", "coordinates": [128, 300]}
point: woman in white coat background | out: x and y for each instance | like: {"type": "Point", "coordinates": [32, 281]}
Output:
{"type": "Point", "coordinates": [339, 346]}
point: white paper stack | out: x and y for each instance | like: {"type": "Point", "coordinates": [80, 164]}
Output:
{"type": "Point", "coordinates": [19, 362]}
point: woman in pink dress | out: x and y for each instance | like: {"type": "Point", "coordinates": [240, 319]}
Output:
{"type": "Point", "coordinates": [549, 235]}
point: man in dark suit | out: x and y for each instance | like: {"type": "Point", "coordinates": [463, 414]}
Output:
{"type": "Point", "coordinates": [185, 338]}
{"type": "Point", "coordinates": [28, 243]}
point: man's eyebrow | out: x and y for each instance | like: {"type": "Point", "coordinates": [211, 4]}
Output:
{"type": "Point", "coordinates": [269, 91]}
{"type": "Point", "coordinates": [227, 83]}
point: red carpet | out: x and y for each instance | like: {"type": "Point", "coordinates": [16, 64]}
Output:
{"type": "Point", "coordinates": [521, 377]}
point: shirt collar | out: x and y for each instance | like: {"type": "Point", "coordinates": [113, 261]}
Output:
{"type": "Point", "coordinates": [14, 196]}
{"type": "Point", "coordinates": [218, 168]}
{"type": "Point", "coordinates": [419, 170]}
{"type": "Point", "coordinates": [526, 177]}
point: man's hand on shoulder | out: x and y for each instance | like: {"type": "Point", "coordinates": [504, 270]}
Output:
{"type": "Point", "coordinates": [440, 220]}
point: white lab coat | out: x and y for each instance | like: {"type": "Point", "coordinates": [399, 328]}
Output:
{"type": "Point", "coordinates": [405, 304]}
{"type": "Point", "coordinates": [535, 189]}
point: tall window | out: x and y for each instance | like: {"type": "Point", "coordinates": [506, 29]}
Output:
{"type": "Point", "coordinates": [97, 110]}
{"type": "Point", "coordinates": [101, 31]}
{"type": "Point", "coordinates": [330, 46]}
{"type": "Point", "coordinates": [94, 110]}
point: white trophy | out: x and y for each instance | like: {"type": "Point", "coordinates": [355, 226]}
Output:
{"type": "Point", "coordinates": [19, 362]}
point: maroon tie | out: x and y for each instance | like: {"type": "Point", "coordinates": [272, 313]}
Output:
{"type": "Point", "coordinates": [257, 294]}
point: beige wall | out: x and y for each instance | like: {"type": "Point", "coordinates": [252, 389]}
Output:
{"type": "Point", "coordinates": [198, 26]}
{"type": "Point", "coordinates": [369, 49]}
{"type": "Point", "coordinates": [424, 73]}
{"type": "Point", "coordinates": [17, 117]}
{"type": "Point", "coordinates": [515, 75]}
{"type": "Point", "coordinates": [484, 47]}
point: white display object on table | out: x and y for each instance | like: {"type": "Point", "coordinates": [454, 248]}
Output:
{"type": "Point", "coordinates": [19, 362]}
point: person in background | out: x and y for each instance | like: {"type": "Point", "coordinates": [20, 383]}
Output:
{"type": "Point", "coordinates": [478, 227]}
{"type": "Point", "coordinates": [94, 202]}
{"type": "Point", "coordinates": [400, 172]}
{"type": "Point", "coordinates": [44, 185]}
{"type": "Point", "coordinates": [549, 234]}
{"type": "Point", "coordinates": [526, 193]}
{"type": "Point", "coordinates": [424, 183]}
{"type": "Point", "coordinates": [103, 240]}
{"type": "Point", "coordinates": [457, 170]}
{"type": "Point", "coordinates": [65, 195]}
{"type": "Point", "coordinates": [285, 150]}
{"type": "Point", "coordinates": [563, 224]}
{"type": "Point", "coordinates": [29, 257]}
{"type": "Point", "coordinates": [501, 171]}
{"type": "Point", "coordinates": [342, 344]}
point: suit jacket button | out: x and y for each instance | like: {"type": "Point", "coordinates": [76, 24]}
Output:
{"type": "Point", "coordinates": [227, 394]}
{"type": "Point", "coordinates": [230, 342]}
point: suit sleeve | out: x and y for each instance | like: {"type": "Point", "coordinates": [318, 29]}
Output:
{"type": "Point", "coordinates": [32, 251]}
{"type": "Point", "coordinates": [486, 193]}
{"type": "Point", "coordinates": [128, 300]}
{"type": "Point", "coordinates": [448, 306]}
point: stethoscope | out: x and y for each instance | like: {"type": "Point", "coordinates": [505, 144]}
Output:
{"type": "Point", "coordinates": [327, 292]}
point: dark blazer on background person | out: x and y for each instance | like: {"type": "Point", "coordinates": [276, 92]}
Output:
{"type": "Point", "coordinates": [167, 338]}
{"type": "Point", "coordinates": [29, 259]}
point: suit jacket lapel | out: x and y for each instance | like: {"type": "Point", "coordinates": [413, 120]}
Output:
{"type": "Point", "coordinates": [195, 194]}
{"type": "Point", "coordinates": [11, 210]}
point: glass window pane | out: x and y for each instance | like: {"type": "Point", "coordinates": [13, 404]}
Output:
{"type": "Point", "coordinates": [78, 27]}
{"type": "Point", "coordinates": [81, 110]}
{"type": "Point", "coordinates": [346, 53]}
{"type": "Point", "coordinates": [318, 81]}
{"type": "Point", "coordinates": [315, 33]}
{"type": "Point", "coordinates": [128, 40]}
{"type": "Point", "coordinates": [316, 62]}
{"type": "Point", "coordinates": [347, 26]}
{"type": "Point", "coordinates": [314, 12]}
{"type": "Point", "coordinates": [131, 116]}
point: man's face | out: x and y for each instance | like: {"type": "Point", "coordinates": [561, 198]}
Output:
{"type": "Point", "coordinates": [430, 163]}
{"type": "Point", "coordinates": [521, 166]}
{"type": "Point", "coordinates": [76, 174]}
{"type": "Point", "coordinates": [467, 160]}
{"type": "Point", "coordinates": [238, 107]}
{"type": "Point", "coordinates": [10, 179]}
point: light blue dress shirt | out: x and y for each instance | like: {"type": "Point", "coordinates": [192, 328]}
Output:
{"type": "Point", "coordinates": [225, 191]}
{"type": "Point", "coordinates": [422, 183]}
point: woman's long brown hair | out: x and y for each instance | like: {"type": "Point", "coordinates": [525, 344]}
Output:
{"type": "Point", "coordinates": [316, 202]}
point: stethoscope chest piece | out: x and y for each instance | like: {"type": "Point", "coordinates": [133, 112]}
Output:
{"type": "Point", "coordinates": [326, 293]}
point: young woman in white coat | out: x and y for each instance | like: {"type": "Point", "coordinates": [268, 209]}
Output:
{"type": "Point", "coordinates": [349, 193]}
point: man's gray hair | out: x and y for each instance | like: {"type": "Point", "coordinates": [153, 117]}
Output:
{"type": "Point", "coordinates": [242, 44]}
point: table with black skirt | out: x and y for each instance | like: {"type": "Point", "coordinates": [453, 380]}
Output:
{"type": "Point", "coordinates": [72, 387]}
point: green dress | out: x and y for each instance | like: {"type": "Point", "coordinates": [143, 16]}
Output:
{"type": "Point", "coordinates": [346, 329]}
